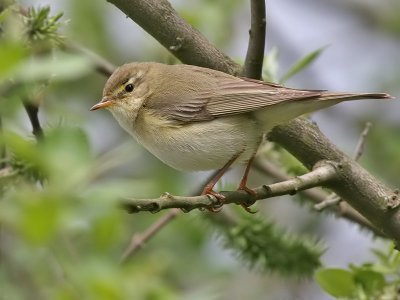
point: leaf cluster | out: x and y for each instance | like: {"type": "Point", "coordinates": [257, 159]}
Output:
{"type": "Point", "coordinates": [40, 26]}
{"type": "Point", "coordinates": [369, 281]}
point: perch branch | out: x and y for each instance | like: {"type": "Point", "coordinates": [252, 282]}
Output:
{"type": "Point", "coordinates": [321, 175]}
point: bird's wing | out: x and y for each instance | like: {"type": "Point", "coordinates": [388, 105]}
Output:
{"type": "Point", "coordinates": [249, 95]}
{"type": "Point", "coordinates": [230, 97]}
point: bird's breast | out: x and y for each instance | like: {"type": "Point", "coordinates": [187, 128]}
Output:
{"type": "Point", "coordinates": [200, 145]}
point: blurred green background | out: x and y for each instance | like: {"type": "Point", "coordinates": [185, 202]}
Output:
{"type": "Point", "coordinates": [62, 234]}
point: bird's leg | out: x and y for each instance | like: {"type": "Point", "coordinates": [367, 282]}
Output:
{"type": "Point", "coordinates": [208, 189]}
{"type": "Point", "coordinates": [243, 184]}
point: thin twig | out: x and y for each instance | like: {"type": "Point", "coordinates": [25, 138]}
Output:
{"type": "Point", "coordinates": [325, 172]}
{"type": "Point", "coordinates": [333, 199]}
{"type": "Point", "coordinates": [32, 110]}
{"type": "Point", "coordinates": [139, 240]}
{"type": "Point", "coordinates": [255, 52]}
{"type": "Point", "coordinates": [330, 200]}
{"type": "Point", "coordinates": [103, 66]}
{"type": "Point", "coordinates": [359, 150]}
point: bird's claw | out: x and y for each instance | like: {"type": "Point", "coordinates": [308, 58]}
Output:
{"type": "Point", "coordinates": [248, 209]}
{"type": "Point", "coordinates": [251, 193]}
{"type": "Point", "coordinates": [247, 190]}
{"type": "Point", "coordinates": [218, 196]}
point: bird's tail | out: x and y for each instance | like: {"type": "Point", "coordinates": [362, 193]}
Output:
{"type": "Point", "coordinates": [277, 114]}
{"type": "Point", "coordinates": [339, 97]}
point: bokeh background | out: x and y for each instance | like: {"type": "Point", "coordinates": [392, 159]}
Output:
{"type": "Point", "coordinates": [186, 259]}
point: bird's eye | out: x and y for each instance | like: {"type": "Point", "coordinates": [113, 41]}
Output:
{"type": "Point", "coordinates": [129, 88]}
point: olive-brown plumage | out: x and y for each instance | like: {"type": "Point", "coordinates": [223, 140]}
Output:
{"type": "Point", "coordinates": [195, 118]}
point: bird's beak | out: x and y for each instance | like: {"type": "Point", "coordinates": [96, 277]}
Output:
{"type": "Point", "coordinates": [105, 102]}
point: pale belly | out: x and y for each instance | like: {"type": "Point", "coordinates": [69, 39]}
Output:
{"type": "Point", "coordinates": [202, 145]}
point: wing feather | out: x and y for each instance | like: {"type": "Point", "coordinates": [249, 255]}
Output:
{"type": "Point", "coordinates": [236, 97]}
{"type": "Point", "coordinates": [196, 94]}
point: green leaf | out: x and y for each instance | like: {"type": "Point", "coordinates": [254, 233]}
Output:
{"type": "Point", "coordinates": [11, 54]}
{"type": "Point", "coordinates": [67, 156]}
{"type": "Point", "coordinates": [39, 218]}
{"type": "Point", "coordinates": [34, 214]}
{"type": "Point", "coordinates": [23, 150]}
{"type": "Point", "coordinates": [336, 282]}
{"type": "Point", "coordinates": [302, 63]}
{"type": "Point", "coordinates": [370, 281]}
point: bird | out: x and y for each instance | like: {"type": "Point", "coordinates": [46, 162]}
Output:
{"type": "Point", "coordinates": [194, 118]}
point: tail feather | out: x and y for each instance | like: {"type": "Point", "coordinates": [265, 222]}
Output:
{"type": "Point", "coordinates": [277, 114]}
{"type": "Point", "coordinates": [339, 97]}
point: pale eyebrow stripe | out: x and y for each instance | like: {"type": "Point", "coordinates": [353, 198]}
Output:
{"type": "Point", "coordinates": [125, 81]}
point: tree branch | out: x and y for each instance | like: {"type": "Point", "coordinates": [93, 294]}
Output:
{"type": "Point", "coordinates": [318, 196]}
{"type": "Point", "coordinates": [321, 175]}
{"type": "Point", "coordinates": [364, 192]}
{"type": "Point", "coordinates": [255, 52]}
{"type": "Point", "coordinates": [334, 199]}
{"type": "Point", "coordinates": [176, 35]}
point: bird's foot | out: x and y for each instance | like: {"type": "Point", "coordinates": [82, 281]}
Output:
{"type": "Point", "coordinates": [247, 190]}
{"type": "Point", "coordinates": [252, 193]}
{"type": "Point", "coordinates": [220, 199]}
